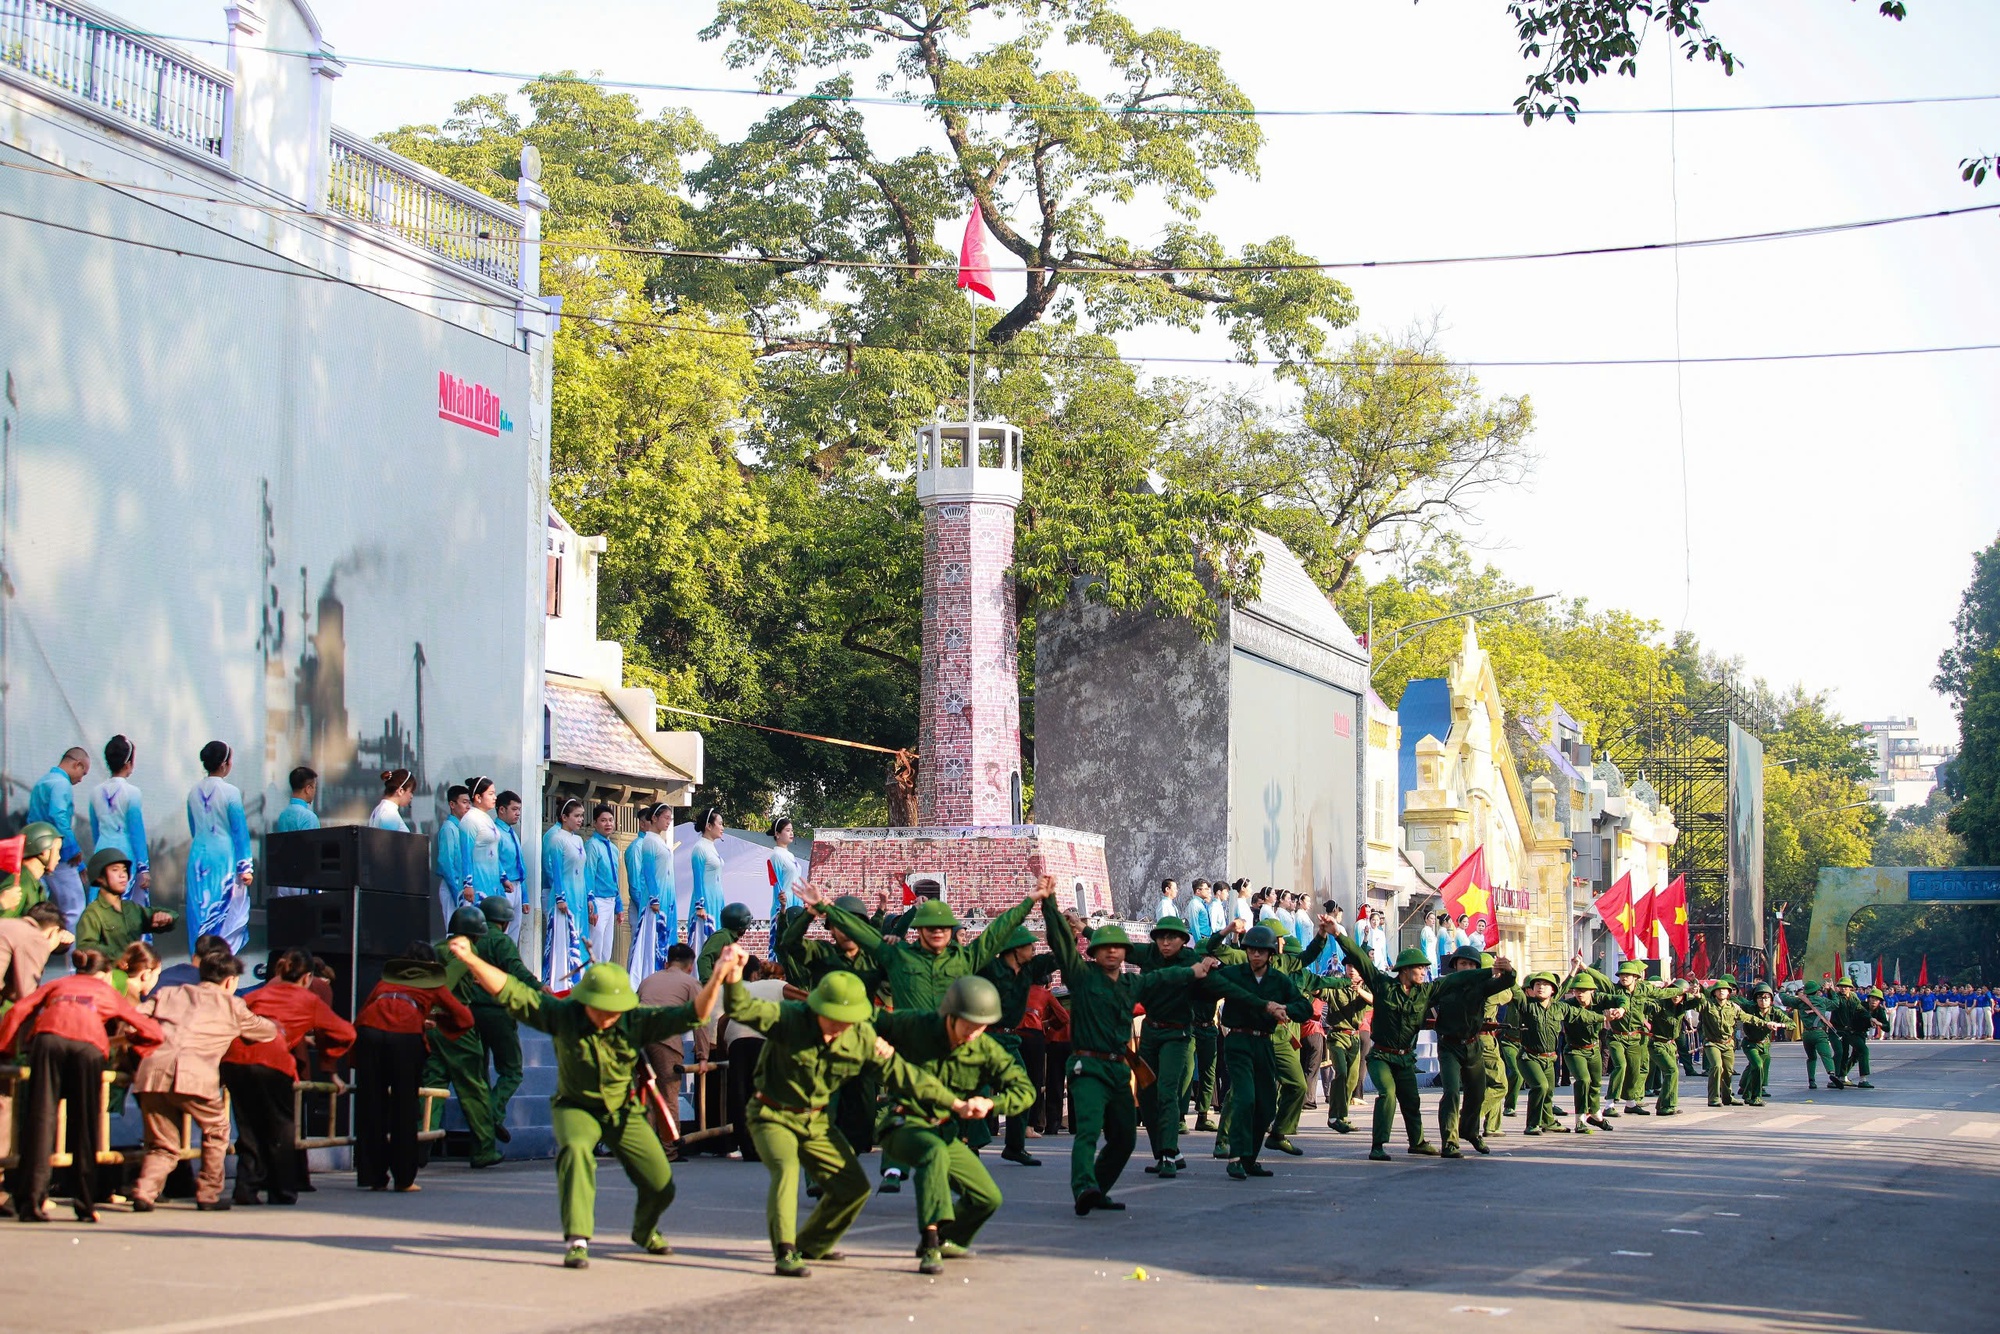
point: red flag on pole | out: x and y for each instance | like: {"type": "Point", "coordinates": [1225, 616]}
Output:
{"type": "Point", "coordinates": [1466, 893]}
{"type": "Point", "coordinates": [1878, 972]}
{"type": "Point", "coordinates": [1614, 907]}
{"type": "Point", "coordinates": [1838, 971]}
{"type": "Point", "coordinates": [1924, 972]}
{"type": "Point", "coordinates": [1781, 960]}
{"type": "Point", "coordinates": [974, 272]}
{"type": "Point", "coordinates": [1698, 961]}
{"type": "Point", "coordinates": [1670, 910]}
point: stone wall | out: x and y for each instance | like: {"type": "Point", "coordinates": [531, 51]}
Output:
{"type": "Point", "coordinates": [986, 869]}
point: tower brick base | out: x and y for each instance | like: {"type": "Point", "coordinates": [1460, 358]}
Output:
{"type": "Point", "coordinates": [983, 869]}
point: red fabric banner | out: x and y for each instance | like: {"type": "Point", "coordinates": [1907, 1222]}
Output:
{"type": "Point", "coordinates": [1466, 893]}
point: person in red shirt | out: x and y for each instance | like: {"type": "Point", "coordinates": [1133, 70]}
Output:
{"type": "Point", "coordinates": [389, 1057]}
{"type": "Point", "coordinates": [259, 1077]}
{"type": "Point", "coordinates": [67, 1028]}
{"type": "Point", "coordinates": [1055, 1031]}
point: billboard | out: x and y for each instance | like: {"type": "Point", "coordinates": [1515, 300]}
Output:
{"type": "Point", "coordinates": [1746, 839]}
{"type": "Point", "coordinates": [244, 503]}
{"type": "Point", "coordinates": [1292, 780]}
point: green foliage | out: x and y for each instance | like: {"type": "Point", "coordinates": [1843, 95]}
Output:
{"type": "Point", "coordinates": [1961, 942]}
{"type": "Point", "coordinates": [1976, 819]}
{"type": "Point", "coordinates": [1975, 631]}
{"type": "Point", "coordinates": [1812, 819]}
{"type": "Point", "coordinates": [1918, 836]}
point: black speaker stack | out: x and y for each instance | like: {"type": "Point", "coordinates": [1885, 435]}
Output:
{"type": "Point", "coordinates": [370, 896]}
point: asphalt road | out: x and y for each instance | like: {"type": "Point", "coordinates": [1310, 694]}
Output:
{"type": "Point", "coordinates": [1822, 1211]}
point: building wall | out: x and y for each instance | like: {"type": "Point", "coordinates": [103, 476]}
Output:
{"type": "Point", "coordinates": [1132, 741]}
{"type": "Point", "coordinates": [1292, 780]}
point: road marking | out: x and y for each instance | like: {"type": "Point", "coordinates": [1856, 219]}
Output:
{"type": "Point", "coordinates": [1682, 1231]}
{"type": "Point", "coordinates": [1791, 1122]}
{"type": "Point", "coordinates": [269, 1313]}
{"type": "Point", "coordinates": [1977, 1130]}
{"type": "Point", "coordinates": [1542, 1273]}
{"type": "Point", "coordinates": [1882, 1125]}
{"type": "Point", "coordinates": [1720, 1214]}
{"type": "Point", "coordinates": [1643, 1255]}
{"type": "Point", "coordinates": [1767, 1197]}
{"type": "Point", "coordinates": [1481, 1310]}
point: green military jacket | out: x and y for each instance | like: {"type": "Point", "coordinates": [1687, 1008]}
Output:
{"type": "Point", "coordinates": [1015, 984]}
{"type": "Point", "coordinates": [31, 892]}
{"type": "Point", "coordinates": [1344, 1008]}
{"type": "Point", "coordinates": [1720, 1018]}
{"type": "Point", "coordinates": [1400, 1014]}
{"type": "Point", "coordinates": [1637, 1003]}
{"type": "Point", "coordinates": [1244, 996]}
{"type": "Point", "coordinates": [1543, 1022]}
{"type": "Point", "coordinates": [1186, 1008]}
{"type": "Point", "coordinates": [807, 961]}
{"type": "Point", "coordinates": [1226, 950]}
{"type": "Point", "coordinates": [1663, 1016]}
{"type": "Point", "coordinates": [711, 950]}
{"type": "Point", "coordinates": [594, 1069]}
{"type": "Point", "coordinates": [918, 978]}
{"type": "Point", "coordinates": [1759, 1035]}
{"type": "Point", "coordinates": [979, 1067]}
{"type": "Point", "coordinates": [799, 1070]}
{"type": "Point", "coordinates": [1100, 1007]}
{"type": "Point", "coordinates": [103, 927]}
{"type": "Point", "coordinates": [1851, 1017]}
{"type": "Point", "coordinates": [1812, 1017]}
{"type": "Point", "coordinates": [1462, 1011]}
{"type": "Point", "coordinates": [496, 949]}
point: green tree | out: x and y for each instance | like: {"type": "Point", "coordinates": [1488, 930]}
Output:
{"type": "Point", "coordinates": [1976, 818]}
{"type": "Point", "coordinates": [1975, 631]}
{"type": "Point", "coordinates": [1918, 836]}
{"type": "Point", "coordinates": [1812, 818]}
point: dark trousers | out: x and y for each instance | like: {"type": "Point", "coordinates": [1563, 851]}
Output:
{"type": "Point", "coordinates": [1206, 1069]}
{"type": "Point", "coordinates": [1055, 1093]}
{"type": "Point", "coordinates": [387, 1070]}
{"type": "Point", "coordinates": [1312, 1055]}
{"type": "Point", "coordinates": [1035, 1057]}
{"type": "Point", "coordinates": [60, 1069]}
{"type": "Point", "coordinates": [743, 1055]}
{"type": "Point", "coordinates": [266, 1158]}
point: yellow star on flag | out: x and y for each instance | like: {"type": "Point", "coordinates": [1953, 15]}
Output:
{"type": "Point", "coordinates": [1474, 899]}
{"type": "Point", "coordinates": [1681, 915]}
{"type": "Point", "coordinates": [1625, 918]}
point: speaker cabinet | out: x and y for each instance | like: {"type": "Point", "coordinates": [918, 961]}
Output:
{"type": "Point", "coordinates": [355, 931]}
{"type": "Point", "coordinates": [349, 857]}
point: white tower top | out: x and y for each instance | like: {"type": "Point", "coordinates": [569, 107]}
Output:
{"type": "Point", "coordinates": [950, 472]}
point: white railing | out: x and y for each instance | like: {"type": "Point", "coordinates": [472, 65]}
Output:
{"type": "Point", "coordinates": [89, 56]}
{"type": "Point", "coordinates": [368, 182]}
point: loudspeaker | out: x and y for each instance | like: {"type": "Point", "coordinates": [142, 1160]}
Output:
{"type": "Point", "coordinates": [355, 931]}
{"type": "Point", "coordinates": [349, 856]}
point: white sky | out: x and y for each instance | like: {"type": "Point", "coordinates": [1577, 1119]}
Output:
{"type": "Point", "coordinates": [1835, 505]}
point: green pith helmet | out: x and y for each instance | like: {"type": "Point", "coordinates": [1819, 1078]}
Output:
{"type": "Point", "coordinates": [736, 918]}
{"type": "Point", "coordinates": [1021, 939]}
{"type": "Point", "coordinates": [1838, 982]}
{"type": "Point", "coordinates": [1631, 968]}
{"type": "Point", "coordinates": [841, 997]}
{"type": "Point", "coordinates": [496, 909]}
{"type": "Point", "coordinates": [36, 838]}
{"type": "Point", "coordinates": [467, 921]}
{"type": "Point", "coordinates": [933, 912]}
{"type": "Point", "coordinates": [1875, 993]}
{"type": "Point", "coordinates": [973, 999]}
{"type": "Point", "coordinates": [1813, 988]}
{"type": "Point", "coordinates": [1726, 980]}
{"type": "Point", "coordinates": [606, 986]}
{"type": "Point", "coordinates": [851, 903]}
{"type": "Point", "coordinates": [103, 860]}
{"type": "Point", "coordinates": [1412, 958]}
{"type": "Point", "coordinates": [1583, 982]}
{"type": "Point", "coordinates": [1467, 954]}
{"type": "Point", "coordinates": [1260, 938]}
{"type": "Point", "coordinates": [1533, 978]}
{"type": "Point", "coordinates": [1172, 926]}
{"type": "Point", "coordinates": [413, 973]}
{"type": "Point", "coordinates": [1109, 934]}
{"type": "Point", "coordinates": [1485, 959]}
{"type": "Point", "coordinates": [1760, 989]}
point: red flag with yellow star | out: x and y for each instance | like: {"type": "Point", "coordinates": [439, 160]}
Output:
{"type": "Point", "coordinates": [1621, 917]}
{"type": "Point", "coordinates": [1466, 892]}
{"type": "Point", "coordinates": [1670, 910]}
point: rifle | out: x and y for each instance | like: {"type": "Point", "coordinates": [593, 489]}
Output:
{"type": "Point", "coordinates": [666, 1124]}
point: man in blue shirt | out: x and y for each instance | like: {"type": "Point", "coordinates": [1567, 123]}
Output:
{"type": "Point", "coordinates": [52, 801]}
{"type": "Point", "coordinates": [513, 875]}
{"type": "Point", "coordinates": [298, 815]}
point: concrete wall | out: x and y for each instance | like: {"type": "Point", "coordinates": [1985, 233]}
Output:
{"type": "Point", "coordinates": [1132, 741]}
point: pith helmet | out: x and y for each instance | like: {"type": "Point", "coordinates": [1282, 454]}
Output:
{"type": "Point", "coordinates": [496, 909]}
{"type": "Point", "coordinates": [1760, 989]}
{"type": "Point", "coordinates": [1412, 958]}
{"type": "Point", "coordinates": [1260, 938]}
{"type": "Point", "coordinates": [1813, 987]}
{"type": "Point", "coordinates": [413, 973]}
{"type": "Point", "coordinates": [841, 997]}
{"type": "Point", "coordinates": [1631, 968]}
{"type": "Point", "coordinates": [36, 838]}
{"type": "Point", "coordinates": [1533, 978]}
{"type": "Point", "coordinates": [103, 860]}
{"type": "Point", "coordinates": [973, 999]}
{"type": "Point", "coordinates": [1485, 959]}
{"type": "Point", "coordinates": [1875, 993]}
{"type": "Point", "coordinates": [1726, 980]}
{"type": "Point", "coordinates": [1172, 926]}
{"type": "Point", "coordinates": [1109, 934]}
{"type": "Point", "coordinates": [1021, 939]}
{"type": "Point", "coordinates": [467, 921]}
{"type": "Point", "coordinates": [736, 918]}
{"type": "Point", "coordinates": [605, 986]}
{"type": "Point", "coordinates": [851, 903]}
{"type": "Point", "coordinates": [1583, 982]}
{"type": "Point", "coordinates": [1467, 954]}
{"type": "Point", "coordinates": [934, 912]}
{"type": "Point", "coordinates": [1838, 982]}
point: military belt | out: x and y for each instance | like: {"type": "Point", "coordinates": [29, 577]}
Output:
{"type": "Point", "coordinates": [1390, 1051]}
{"type": "Point", "coordinates": [780, 1107]}
{"type": "Point", "coordinates": [1166, 1028]}
{"type": "Point", "coordinates": [1118, 1056]}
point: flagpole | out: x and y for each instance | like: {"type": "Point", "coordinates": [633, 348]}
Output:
{"type": "Point", "coordinates": [971, 380]}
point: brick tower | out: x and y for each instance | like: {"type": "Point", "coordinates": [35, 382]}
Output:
{"type": "Point", "coordinates": [969, 729]}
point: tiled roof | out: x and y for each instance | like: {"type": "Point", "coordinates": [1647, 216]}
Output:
{"type": "Point", "coordinates": [1289, 596]}
{"type": "Point", "coordinates": [587, 732]}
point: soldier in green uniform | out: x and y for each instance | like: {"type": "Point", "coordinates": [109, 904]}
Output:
{"type": "Point", "coordinates": [1102, 997]}
{"type": "Point", "coordinates": [1586, 1063]}
{"type": "Point", "coordinates": [1014, 974]}
{"type": "Point", "coordinates": [1663, 1021]}
{"type": "Point", "coordinates": [807, 963]}
{"type": "Point", "coordinates": [1401, 1004]}
{"type": "Point", "coordinates": [41, 848]}
{"type": "Point", "coordinates": [1852, 1020]}
{"type": "Point", "coordinates": [1720, 1015]}
{"type": "Point", "coordinates": [952, 1044]}
{"type": "Point", "coordinates": [919, 973]}
{"type": "Point", "coordinates": [1630, 1042]}
{"type": "Point", "coordinates": [736, 920]}
{"type": "Point", "coordinates": [1815, 1034]}
{"type": "Point", "coordinates": [1543, 1020]}
{"type": "Point", "coordinates": [600, 1033]}
{"type": "Point", "coordinates": [1757, 1044]}
{"type": "Point", "coordinates": [811, 1048]}
{"type": "Point", "coordinates": [1287, 1069]}
{"type": "Point", "coordinates": [460, 1059]}
{"type": "Point", "coordinates": [1462, 1016]}
{"type": "Point", "coordinates": [1347, 999]}
{"type": "Point", "coordinates": [496, 1028]}
{"type": "Point", "coordinates": [1502, 1070]}
{"type": "Point", "coordinates": [108, 922]}
{"type": "Point", "coordinates": [1258, 997]}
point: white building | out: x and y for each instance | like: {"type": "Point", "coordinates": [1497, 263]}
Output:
{"type": "Point", "coordinates": [275, 430]}
{"type": "Point", "coordinates": [1905, 767]}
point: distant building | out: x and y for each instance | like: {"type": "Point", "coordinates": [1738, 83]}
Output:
{"type": "Point", "coordinates": [1905, 767]}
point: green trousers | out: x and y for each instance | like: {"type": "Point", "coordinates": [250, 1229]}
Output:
{"type": "Point", "coordinates": [1539, 1074]}
{"type": "Point", "coordinates": [1291, 1076]}
{"type": "Point", "coordinates": [1206, 1068]}
{"type": "Point", "coordinates": [1253, 1092]}
{"type": "Point", "coordinates": [1101, 1092]}
{"type": "Point", "coordinates": [1497, 1082]}
{"type": "Point", "coordinates": [1666, 1074]}
{"type": "Point", "coordinates": [1819, 1052]}
{"type": "Point", "coordinates": [1510, 1056]}
{"type": "Point", "coordinates": [502, 1036]}
{"type": "Point", "coordinates": [462, 1060]}
{"type": "Point", "coordinates": [1612, 1064]}
{"type": "Point", "coordinates": [1171, 1054]}
{"type": "Point", "coordinates": [1853, 1050]}
{"type": "Point", "coordinates": [1721, 1071]}
{"type": "Point", "coordinates": [945, 1167]}
{"type": "Point", "coordinates": [1462, 1072]}
{"type": "Point", "coordinates": [1395, 1079]}
{"type": "Point", "coordinates": [1017, 1124]}
{"type": "Point", "coordinates": [579, 1130]}
{"type": "Point", "coordinates": [788, 1142]}
{"type": "Point", "coordinates": [1631, 1056]}
{"type": "Point", "coordinates": [1756, 1070]}
{"type": "Point", "coordinates": [1586, 1077]}
{"type": "Point", "coordinates": [1343, 1054]}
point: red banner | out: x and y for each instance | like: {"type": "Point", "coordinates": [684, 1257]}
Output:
{"type": "Point", "coordinates": [1670, 910]}
{"type": "Point", "coordinates": [1466, 893]}
{"type": "Point", "coordinates": [1614, 906]}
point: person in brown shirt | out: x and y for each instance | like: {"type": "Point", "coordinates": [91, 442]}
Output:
{"type": "Point", "coordinates": [183, 1076]}
{"type": "Point", "coordinates": [673, 985]}
{"type": "Point", "coordinates": [26, 942]}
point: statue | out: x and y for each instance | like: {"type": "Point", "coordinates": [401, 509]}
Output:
{"type": "Point", "coordinates": [900, 787]}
